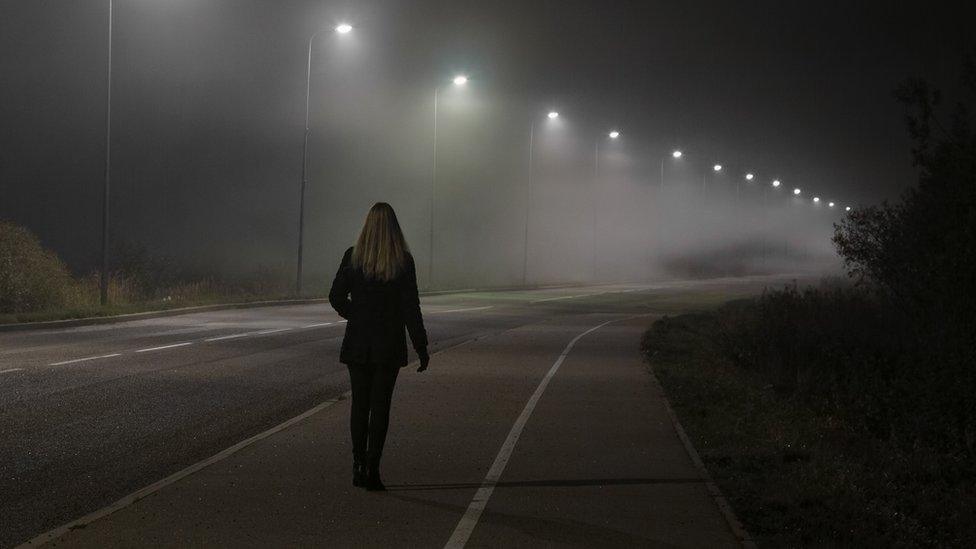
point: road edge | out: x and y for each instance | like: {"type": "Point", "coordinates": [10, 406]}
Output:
{"type": "Point", "coordinates": [145, 315]}
{"type": "Point", "coordinates": [733, 522]}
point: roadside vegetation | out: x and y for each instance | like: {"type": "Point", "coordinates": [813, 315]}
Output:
{"type": "Point", "coordinates": [35, 285]}
{"type": "Point", "coordinates": [846, 414]}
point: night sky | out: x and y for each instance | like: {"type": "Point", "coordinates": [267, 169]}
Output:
{"type": "Point", "coordinates": [208, 107]}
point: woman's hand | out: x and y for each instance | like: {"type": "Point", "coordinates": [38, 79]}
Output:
{"type": "Point", "coordinates": [424, 362]}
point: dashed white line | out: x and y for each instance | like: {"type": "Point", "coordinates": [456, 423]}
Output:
{"type": "Point", "coordinates": [274, 331]}
{"type": "Point", "coordinates": [87, 358]}
{"type": "Point", "coordinates": [563, 297]}
{"type": "Point", "coordinates": [231, 336]}
{"type": "Point", "coordinates": [462, 310]}
{"type": "Point", "coordinates": [150, 349]}
{"type": "Point", "coordinates": [9, 370]}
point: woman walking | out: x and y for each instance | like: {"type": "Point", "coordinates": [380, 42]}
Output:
{"type": "Point", "coordinates": [375, 290]}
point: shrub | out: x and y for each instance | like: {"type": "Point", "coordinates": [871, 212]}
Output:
{"type": "Point", "coordinates": [31, 277]}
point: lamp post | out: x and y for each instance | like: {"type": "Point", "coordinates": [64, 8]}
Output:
{"type": "Point", "coordinates": [342, 28]}
{"type": "Point", "coordinates": [552, 115]}
{"type": "Point", "coordinates": [676, 154]}
{"type": "Point", "coordinates": [596, 184]}
{"type": "Point", "coordinates": [103, 276]}
{"type": "Point", "coordinates": [458, 81]}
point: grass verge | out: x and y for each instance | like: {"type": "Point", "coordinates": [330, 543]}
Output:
{"type": "Point", "coordinates": [799, 473]}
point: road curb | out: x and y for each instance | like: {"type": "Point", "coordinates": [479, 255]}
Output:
{"type": "Point", "coordinates": [735, 525]}
{"type": "Point", "coordinates": [93, 320]}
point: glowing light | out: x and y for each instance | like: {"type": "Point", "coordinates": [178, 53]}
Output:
{"type": "Point", "coordinates": [796, 191]}
{"type": "Point", "coordinates": [749, 177]}
{"type": "Point", "coordinates": [614, 134]}
{"type": "Point", "coordinates": [717, 167]}
{"type": "Point", "coordinates": [344, 28]}
{"type": "Point", "coordinates": [676, 154]}
{"type": "Point", "coordinates": [816, 200]}
{"type": "Point", "coordinates": [847, 208]}
{"type": "Point", "coordinates": [553, 114]}
{"type": "Point", "coordinates": [776, 183]}
{"type": "Point", "coordinates": [830, 205]}
{"type": "Point", "coordinates": [460, 80]}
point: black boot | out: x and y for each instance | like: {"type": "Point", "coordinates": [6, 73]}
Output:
{"type": "Point", "coordinates": [359, 476]}
{"type": "Point", "coordinates": [373, 481]}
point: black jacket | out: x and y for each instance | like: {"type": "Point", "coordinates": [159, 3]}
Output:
{"type": "Point", "coordinates": [377, 313]}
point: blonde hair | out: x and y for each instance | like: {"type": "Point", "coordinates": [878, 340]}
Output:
{"type": "Point", "coordinates": [381, 251]}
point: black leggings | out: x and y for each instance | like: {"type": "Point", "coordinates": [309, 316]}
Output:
{"type": "Point", "coordinates": [372, 390]}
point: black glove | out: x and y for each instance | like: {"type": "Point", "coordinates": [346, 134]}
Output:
{"type": "Point", "coordinates": [424, 361]}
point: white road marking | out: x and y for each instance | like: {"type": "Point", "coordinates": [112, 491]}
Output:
{"type": "Point", "coordinates": [462, 310]}
{"type": "Point", "coordinates": [231, 336]}
{"type": "Point", "coordinates": [150, 349]}
{"type": "Point", "coordinates": [274, 331]}
{"type": "Point", "coordinates": [470, 519]}
{"type": "Point", "coordinates": [62, 363]}
{"type": "Point", "coordinates": [9, 370]}
{"type": "Point", "coordinates": [563, 297]}
{"type": "Point", "coordinates": [318, 325]}
{"type": "Point", "coordinates": [175, 477]}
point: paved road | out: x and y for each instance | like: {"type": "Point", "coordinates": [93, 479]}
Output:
{"type": "Point", "coordinates": [92, 414]}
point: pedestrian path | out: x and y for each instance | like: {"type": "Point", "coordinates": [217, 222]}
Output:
{"type": "Point", "coordinates": [597, 461]}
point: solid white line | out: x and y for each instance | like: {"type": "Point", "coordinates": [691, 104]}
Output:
{"type": "Point", "coordinates": [150, 349]}
{"type": "Point", "coordinates": [470, 519]}
{"type": "Point", "coordinates": [462, 310]}
{"type": "Point", "coordinates": [232, 336]}
{"type": "Point", "coordinates": [10, 370]}
{"type": "Point", "coordinates": [62, 363]}
{"type": "Point", "coordinates": [159, 485]}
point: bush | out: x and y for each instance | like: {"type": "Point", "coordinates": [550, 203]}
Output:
{"type": "Point", "coordinates": [31, 277]}
{"type": "Point", "coordinates": [884, 429]}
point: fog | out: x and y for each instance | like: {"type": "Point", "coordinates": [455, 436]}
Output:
{"type": "Point", "coordinates": [208, 118]}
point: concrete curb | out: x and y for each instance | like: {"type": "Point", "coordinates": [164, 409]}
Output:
{"type": "Point", "coordinates": [93, 320]}
{"type": "Point", "coordinates": [738, 530]}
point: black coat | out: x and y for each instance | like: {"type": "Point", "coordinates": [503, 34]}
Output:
{"type": "Point", "coordinates": [377, 314]}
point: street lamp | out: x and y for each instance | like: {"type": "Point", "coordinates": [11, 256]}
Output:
{"type": "Point", "coordinates": [796, 191]}
{"type": "Point", "coordinates": [343, 28]}
{"type": "Point", "coordinates": [830, 205]}
{"type": "Point", "coordinates": [847, 208]}
{"type": "Point", "coordinates": [776, 183]}
{"type": "Point", "coordinates": [614, 134]}
{"type": "Point", "coordinates": [750, 177]}
{"type": "Point", "coordinates": [717, 167]}
{"type": "Point", "coordinates": [458, 81]}
{"type": "Point", "coordinates": [103, 276]}
{"type": "Point", "coordinates": [816, 200]}
{"type": "Point", "coordinates": [676, 154]}
{"type": "Point", "coordinates": [528, 197]}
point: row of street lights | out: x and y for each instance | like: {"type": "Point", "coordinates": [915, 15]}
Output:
{"type": "Point", "coordinates": [458, 81]}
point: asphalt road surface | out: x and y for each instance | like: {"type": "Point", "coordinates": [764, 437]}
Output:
{"type": "Point", "coordinates": [89, 415]}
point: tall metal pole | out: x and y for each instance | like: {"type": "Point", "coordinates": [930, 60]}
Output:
{"type": "Point", "coordinates": [662, 173]}
{"type": "Point", "coordinates": [528, 206]}
{"type": "Point", "coordinates": [433, 187]}
{"type": "Point", "coordinates": [301, 201]}
{"type": "Point", "coordinates": [103, 276]}
{"type": "Point", "coordinates": [596, 183]}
